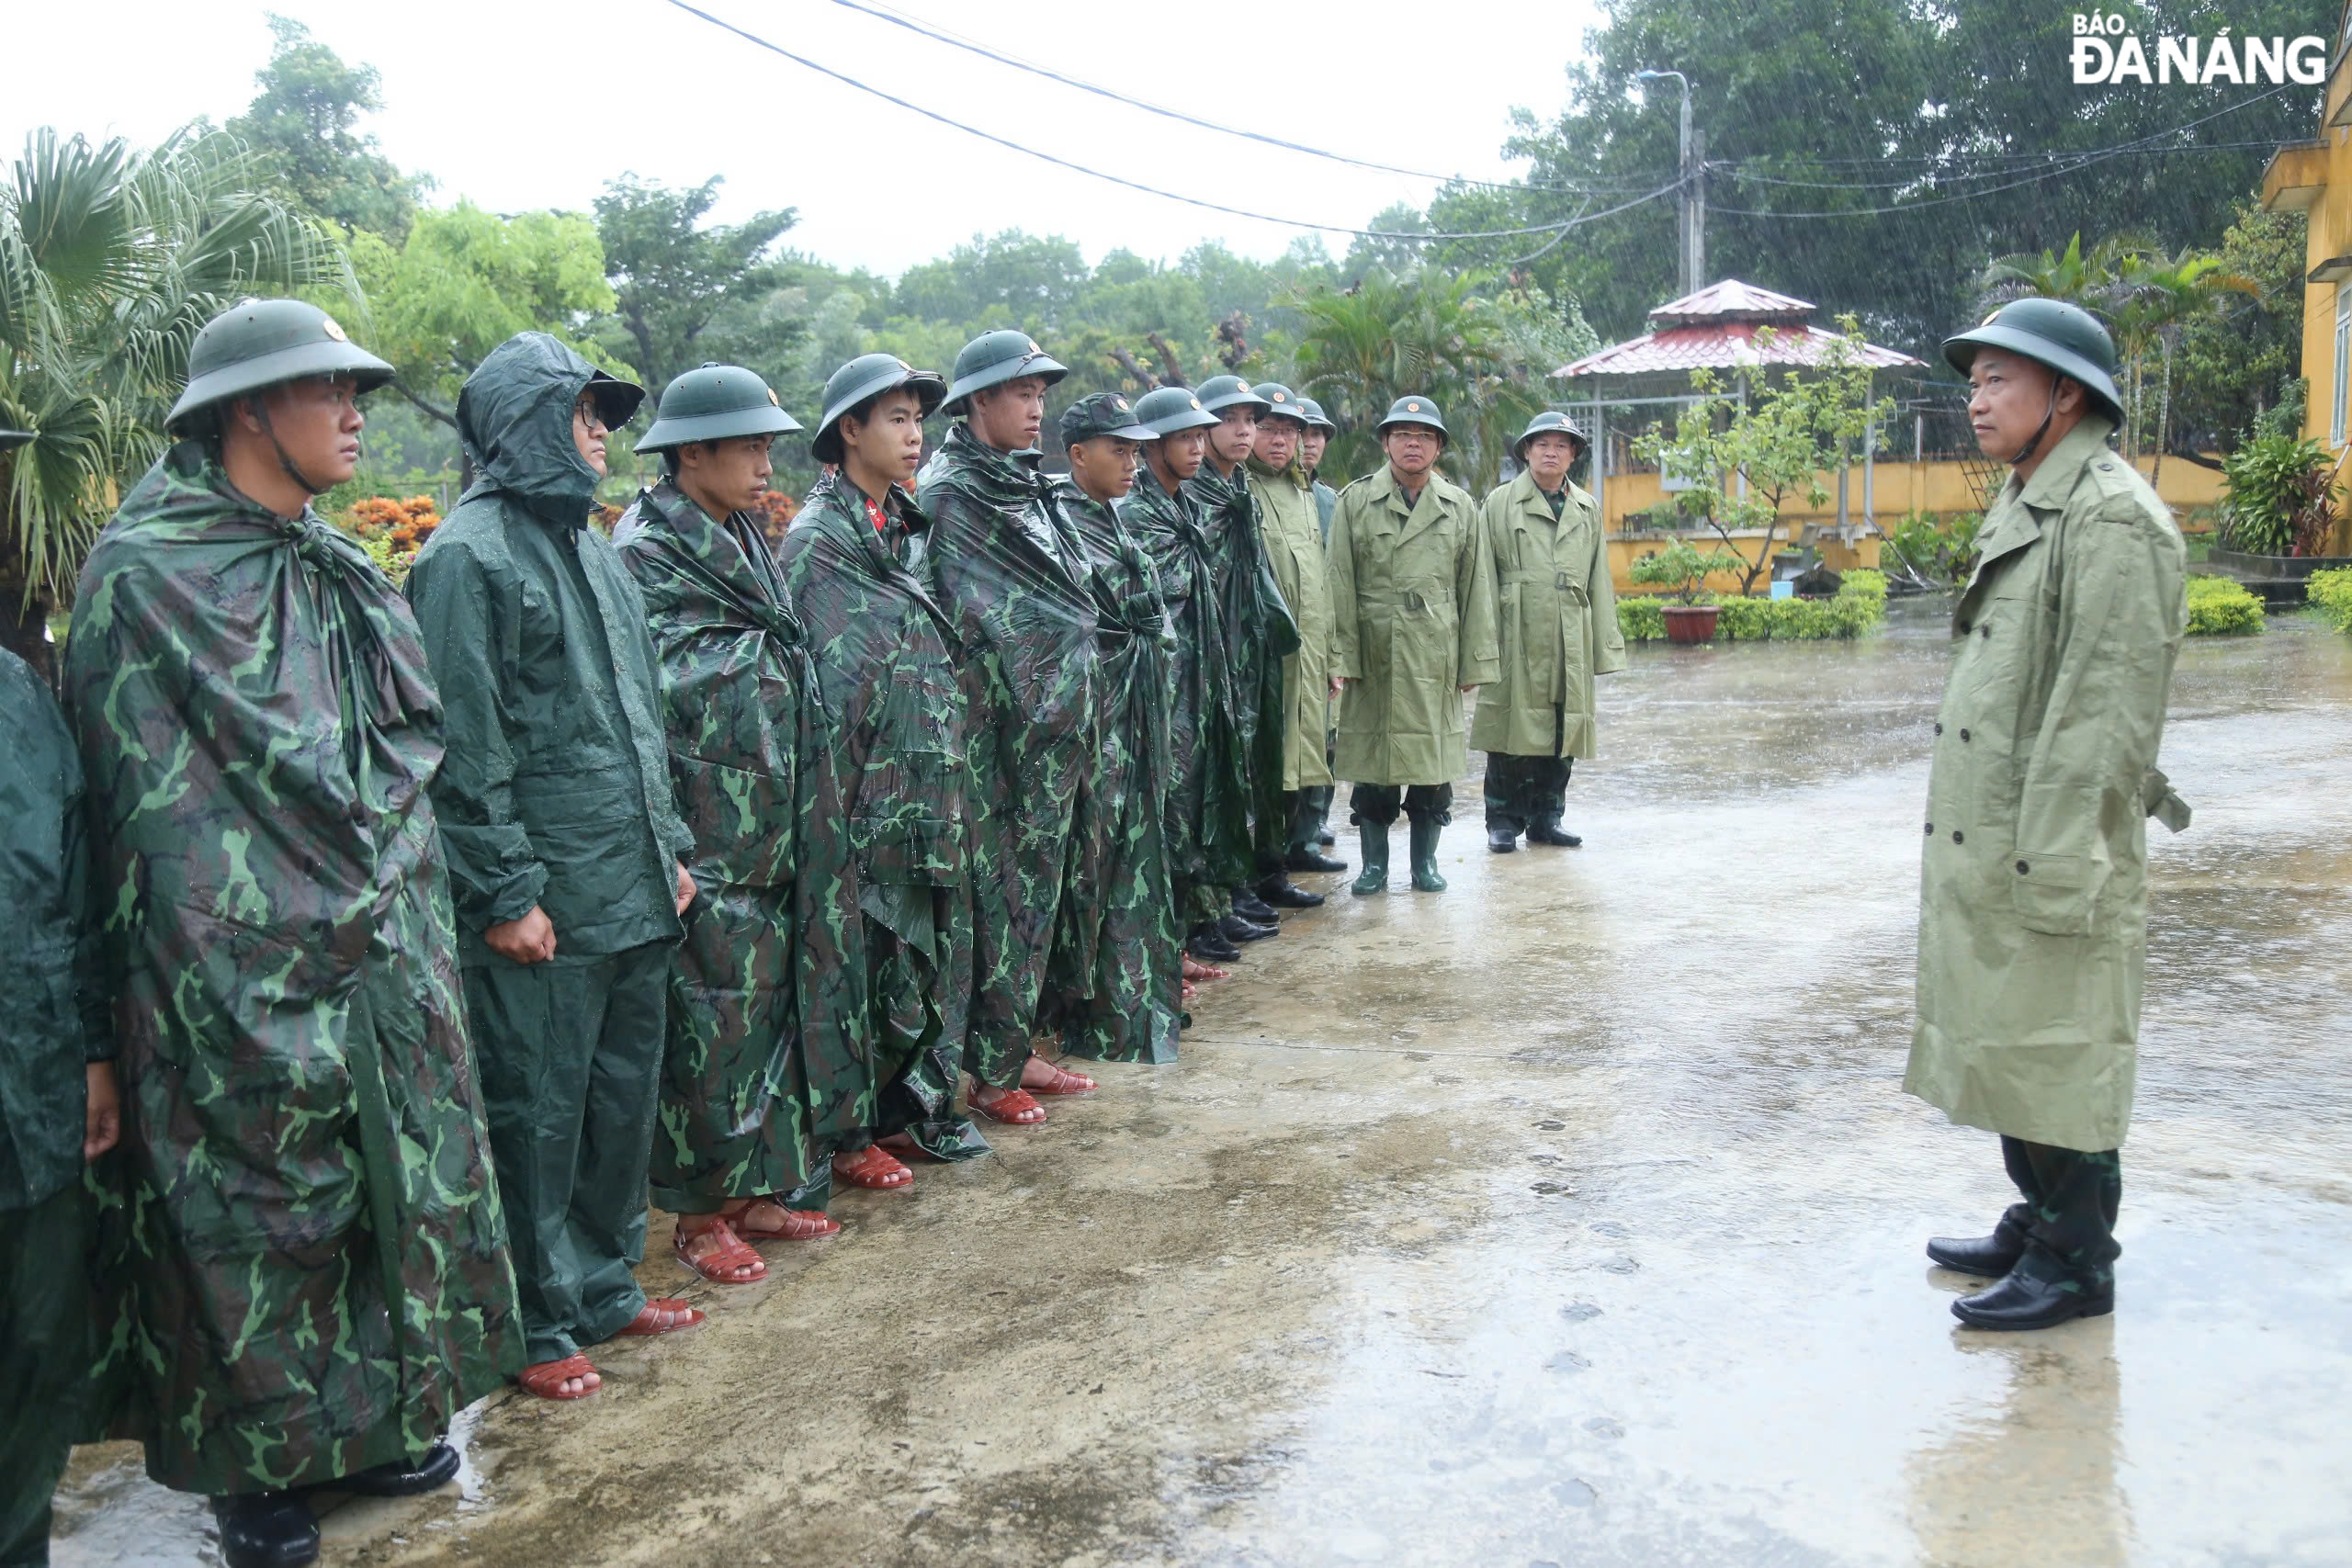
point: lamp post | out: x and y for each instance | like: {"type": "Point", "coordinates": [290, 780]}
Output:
{"type": "Point", "coordinates": [1691, 196]}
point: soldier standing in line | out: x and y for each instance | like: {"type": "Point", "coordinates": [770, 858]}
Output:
{"type": "Point", "coordinates": [1259, 634]}
{"type": "Point", "coordinates": [1009, 569]}
{"type": "Point", "coordinates": [317, 1276]}
{"type": "Point", "coordinates": [1207, 817]}
{"type": "Point", "coordinates": [1558, 610]}
{"type": "Point", "coordinates": [1311, 447]}
{"type": "Point", "coordinates": [1291, 535]}
{"type": "Point", "coordinates": [1413, 601]}
{"type": "Point", "coordinates": [767, 1066]}
{"type": "Point", "coordinates": [1116, 972]}
{"type": "Point", "coordinates": [853, 562]}
{"type": "Point", "coordinates": [563, 842]}
{"type": "Point", "coordinates": [2033, 901]}
{"type": "Point", "coordinates": [59, 1108]}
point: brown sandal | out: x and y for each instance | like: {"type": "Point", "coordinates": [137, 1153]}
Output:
{"type": "Point", "coordinates": [874, 1168]}
{"type": "Point", "coordinates": [1064, 1081]}
{"type": "Point", "coordinates": [799, 1224]}
{"type": "Point", "coordinates": [663, 1315]}
{"type": "Point", "coordinates": [1014, 1108]}
{"type": "Point", "coordinates": [724, 1264]}
{"type": "Point", "coordinates": [546, 1379]}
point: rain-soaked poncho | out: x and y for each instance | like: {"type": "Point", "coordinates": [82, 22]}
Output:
{"type": "Point", "coordinates": [1291, 535]}
{"type": "Point", "coordinates": [885, 660]}
{"type": "Point", "coordinates": [1118, 961]}
{"type": "Point", "coordinates": [1259, 634]}
{"type": "Point", "coordinates": [1208, 820]}
{"type": "Point", "coordinates": [318, 1275]}
{"type": "Point", "coordinates": [1009, 569]}
{"type": "Point", "coordinates": [767, 1067]}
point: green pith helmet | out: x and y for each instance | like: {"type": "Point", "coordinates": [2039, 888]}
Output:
{"type": "Point", "coordinates": [1171, 409]}
{"type": "Point", "coordinates": [715, 402]}
{"type": "Point", "coordinates": [1312, 411]}
{"type": "Point", "coordinates": [12, 439]}
{"type": "Point", "coordinates": [1280, 402]}
{"type": "Point", "coordinates": [870, 376]}
{"type": "Point", "coordinates": [1413, 409]}
{"type": "Point", "coordinates": [993, 359]}
{"type": "Point", "coordinates": [2066, 338]}
{"type": "Point", "coordinates": [256, 344]}
{"type": "Point", "coordinates": [1219, 394]}
{"type": "Point", "coordinates": [1550, 422]}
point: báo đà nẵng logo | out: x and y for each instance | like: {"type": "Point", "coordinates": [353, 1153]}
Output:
{"type": "Point", "coordinates": [2108, 53]}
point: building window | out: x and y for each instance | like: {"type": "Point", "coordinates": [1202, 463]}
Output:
{"type": "Point", "coordinates": [2342, 362]}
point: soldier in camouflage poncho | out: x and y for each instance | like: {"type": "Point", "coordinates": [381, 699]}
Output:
{"type": "Point", "coordinates": [1207, 817]}
{"type": "Point", "coordinates": [1009, 569]}
{"type": "Point", "coordinates": [767, 1067]}
{"type": "Point", "coordinates": [319, 1277]}
{"type": "Point", "coordinates": [1117, 968]}
{"type": "Point", "coordinates": [883, 651]}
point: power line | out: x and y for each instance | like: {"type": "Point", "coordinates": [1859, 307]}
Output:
{"type": "Point", "coordinates": [952, 40]}
{"type": "Point", "coordinates": [1748, 176]}
{"type": "Point", "coordinates": [934, 115]}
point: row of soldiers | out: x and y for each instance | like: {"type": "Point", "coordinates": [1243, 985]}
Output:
{"type": "Point", "coordinates": [398, 945]}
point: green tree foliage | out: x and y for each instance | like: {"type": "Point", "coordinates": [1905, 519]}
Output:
{"type": "Point", "coordinates": [2237, 362]}
{"type": "Point", "coordinates": [302, 128]}
{"type": "Point", "coordinates": [110, 259]}
{"type": "Point", "coordinates": [687, 292]}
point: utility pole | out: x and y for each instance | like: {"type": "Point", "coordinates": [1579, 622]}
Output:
{"type": "Point", "coordinates": [1690, 194]}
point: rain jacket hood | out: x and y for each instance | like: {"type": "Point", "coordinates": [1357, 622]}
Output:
{"type": "Point", "coordinates": [515, 421]}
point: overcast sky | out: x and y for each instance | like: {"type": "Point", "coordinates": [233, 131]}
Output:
{"type": "Point", "coordinates": [524, 104]}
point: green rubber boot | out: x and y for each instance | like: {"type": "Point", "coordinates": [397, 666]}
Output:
{"type": "Point", "coordinates": [1425, 876]}
{"type": "Point", "coordinates": [1374, 878]}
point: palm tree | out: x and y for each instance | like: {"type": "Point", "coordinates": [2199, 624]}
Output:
{"type": "Point", "coordinates": [1394, 333]}
{"type": "Point", "coordinates": [110, 259]}
{"type": "Point", "coordinates": [2159, 295]}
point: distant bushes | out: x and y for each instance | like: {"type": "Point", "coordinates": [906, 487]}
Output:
{"type": "Point", "coordinates": [2219, 607]}
{"type": "Point", "coordinates": [1858, 606]}
{"type": "Point", "coordinates": [2330, 593]}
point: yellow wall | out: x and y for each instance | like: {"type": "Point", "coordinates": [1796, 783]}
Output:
{"type": "Point", "coordinates": [2317, 178]}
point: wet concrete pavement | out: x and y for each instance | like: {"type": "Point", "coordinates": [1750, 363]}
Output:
{"type": "Point", "coordinates": [1571, 1216]}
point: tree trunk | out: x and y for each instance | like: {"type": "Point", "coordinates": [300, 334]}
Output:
{"type": "Point", "coordinates": [2164, 418]}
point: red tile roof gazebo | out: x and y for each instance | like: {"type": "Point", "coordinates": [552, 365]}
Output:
{"type": "Point", "coordinates": [1717, 328]}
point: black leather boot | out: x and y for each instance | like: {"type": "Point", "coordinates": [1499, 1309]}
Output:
{"type": "Point", "coordinates": [1985, 1256]}
{"type": "Point", "coordinates": [1502, 840]}
{"type": "Point", "coordinates": [1209, 947]}
{"type": "Point", "coordinates": [1300, 854]}
{"type": "Point", "coordinates": [2034, 1294]}
{"type": "Point", "coordinates": [1283, 894]}
{"type": "Point", "coordinates": [1551, 832]}
{"type": "Point", "coordinates": [266, 1529]}
{"type": "Point", "coordinates": [400, 1478]}
{"type": "Point", "coordinates": [1254, 910]}
{"type": "Point", "coordinates": [1233, 927]}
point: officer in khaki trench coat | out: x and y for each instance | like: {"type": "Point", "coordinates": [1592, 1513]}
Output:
{"type": "Point", "coordinates": [1413, 628]}
{"type": "Point", "coordinates": [1559, 630]}
{"type": "Point", "coordinates": [2034, 896]}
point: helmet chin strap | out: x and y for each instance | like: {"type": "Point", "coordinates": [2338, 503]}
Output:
{"type": "Point", "coordinates": [261, 412]}
{"type": "Point", "coordinates": [2040, 430]}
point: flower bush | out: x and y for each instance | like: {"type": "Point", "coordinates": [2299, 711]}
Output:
{"type": "Point", "coordinates": [2220, 607]}
{"type": "Point", "coordinates": [1858, 604]}
{"type": "Point", "coordinates": [392, 531]}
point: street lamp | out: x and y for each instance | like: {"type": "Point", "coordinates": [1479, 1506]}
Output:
{"type": "Point", "coordinates": [1691, 196]}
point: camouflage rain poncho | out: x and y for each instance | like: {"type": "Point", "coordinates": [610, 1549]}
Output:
{"type": "Point", "coordinates": [767, 1067]}
{"type": "Point", "coordinates": [1117, 964]}
{"type": "Point", "coordinates": [1207, 813]}
{"type": "Point", "coordinates": [1259, 634]}
{"type": "Point", "coordinates": [884, 655]}
{"type": "Point", "coordinates": [319, 1276]}
{"type": "Point", "coordinates": [1010, 570]}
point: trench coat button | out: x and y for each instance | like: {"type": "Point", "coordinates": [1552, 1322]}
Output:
{"type": "Point", "coordinates": [1939, 730]}
{"type": "Point", "coordinates": [1931, 830]}
{"type": "Point", "coordinates": [1965, 628]}
{"type": "Point", "coordinates": [2023, 869]}
{"type": "Point", "coordinates": [1955, 836]}
{"type": "Point", "coordinates": [1986, 632]}
{"type": "Point", "coordinates": [1964, 735]}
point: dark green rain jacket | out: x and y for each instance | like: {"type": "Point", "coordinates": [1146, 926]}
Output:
{"type": "Point", "coordinates": [1208, 821]}
{"type": "Point", "coordinates": [1010, 570]}
{"type": "Point", "coordinates": [1259, 634]}
{"type": "Point", "coordinates": [557, 789]}
{"type": "Point", "coordinates": [767, 1066]}
{"type": "Point", "coordinates": [53, 1003]}
{"type": "Point", "coordinates": [1117, 964]}
{"type": "Point", "coordinates": [885, 660]}
{"type": "Point", "coordinates": [258, 732]}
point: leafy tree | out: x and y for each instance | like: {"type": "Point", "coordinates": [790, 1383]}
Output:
{"type": "Point", "coordinates": [1748, 456]}
{"type": "Point", "coordinates": [301, 128]}
{"type": "Point", "coordinates": [687, 293]}
{"type": "Point", "coordinates": [109, 262]}
{"type": "Point", "coordinates": [465, 281]}
{"type": "Point", "coordinates": [1012, 279]}
{"type": "Point", "coordinates": [2237, 361]}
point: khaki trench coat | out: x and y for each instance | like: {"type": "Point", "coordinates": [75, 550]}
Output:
{"type": "Point", "coordinates": [1413, 622]}
{"type": "Point", "coordinates": [1291, 530]}
{"type": "Point", "coordinates": [1559, 613]}
{"type": "Point", "coordinates": [2033, 903]}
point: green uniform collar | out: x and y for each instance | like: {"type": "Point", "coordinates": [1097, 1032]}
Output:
{"type": "Point", "coordinates": [2053, 481]}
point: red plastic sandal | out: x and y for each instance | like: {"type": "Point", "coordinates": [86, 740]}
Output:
{"type": "Point", "coordinates": [727, 1263]}
{"type": "Point", "coordinates": [1064, 1081]}
{"type": "Point", "coordinates": [872, 1166]}
{"type": "Point", "coordinates": [799, 1224]}
{"type": "Point", "coordinates": [663, 1314]}
{"type": "Point", "coordinates": [546, 1379]}
{"type": "Point", "coordinates": [1014, 1108]}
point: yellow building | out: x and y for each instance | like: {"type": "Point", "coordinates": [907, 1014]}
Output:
{"type": "Point", "coordinates": [2314, 177]}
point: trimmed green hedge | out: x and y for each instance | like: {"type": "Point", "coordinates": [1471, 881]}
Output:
{"type": "Point", "coordinates": [2220, 607]}
{"type": "Point", "coordinates": [1860, 604]}
{"type": "Point", "coordinates": [2330, 593]}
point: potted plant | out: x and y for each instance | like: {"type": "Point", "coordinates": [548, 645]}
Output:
{"type": "Point", "coordinates": [1682, 569]}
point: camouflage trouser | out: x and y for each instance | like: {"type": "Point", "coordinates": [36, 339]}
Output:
{"type": "Point", "coordinates": [1378, 804]}
{"type": "Point", "coordinates": [570, 1059]}
{"type": "Point", "coordinates": [2068, 1217]}
{"type": "Point", "coordinates": [44, 1359]}
{"type": "Point", "coordinates": [1525, 790]}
